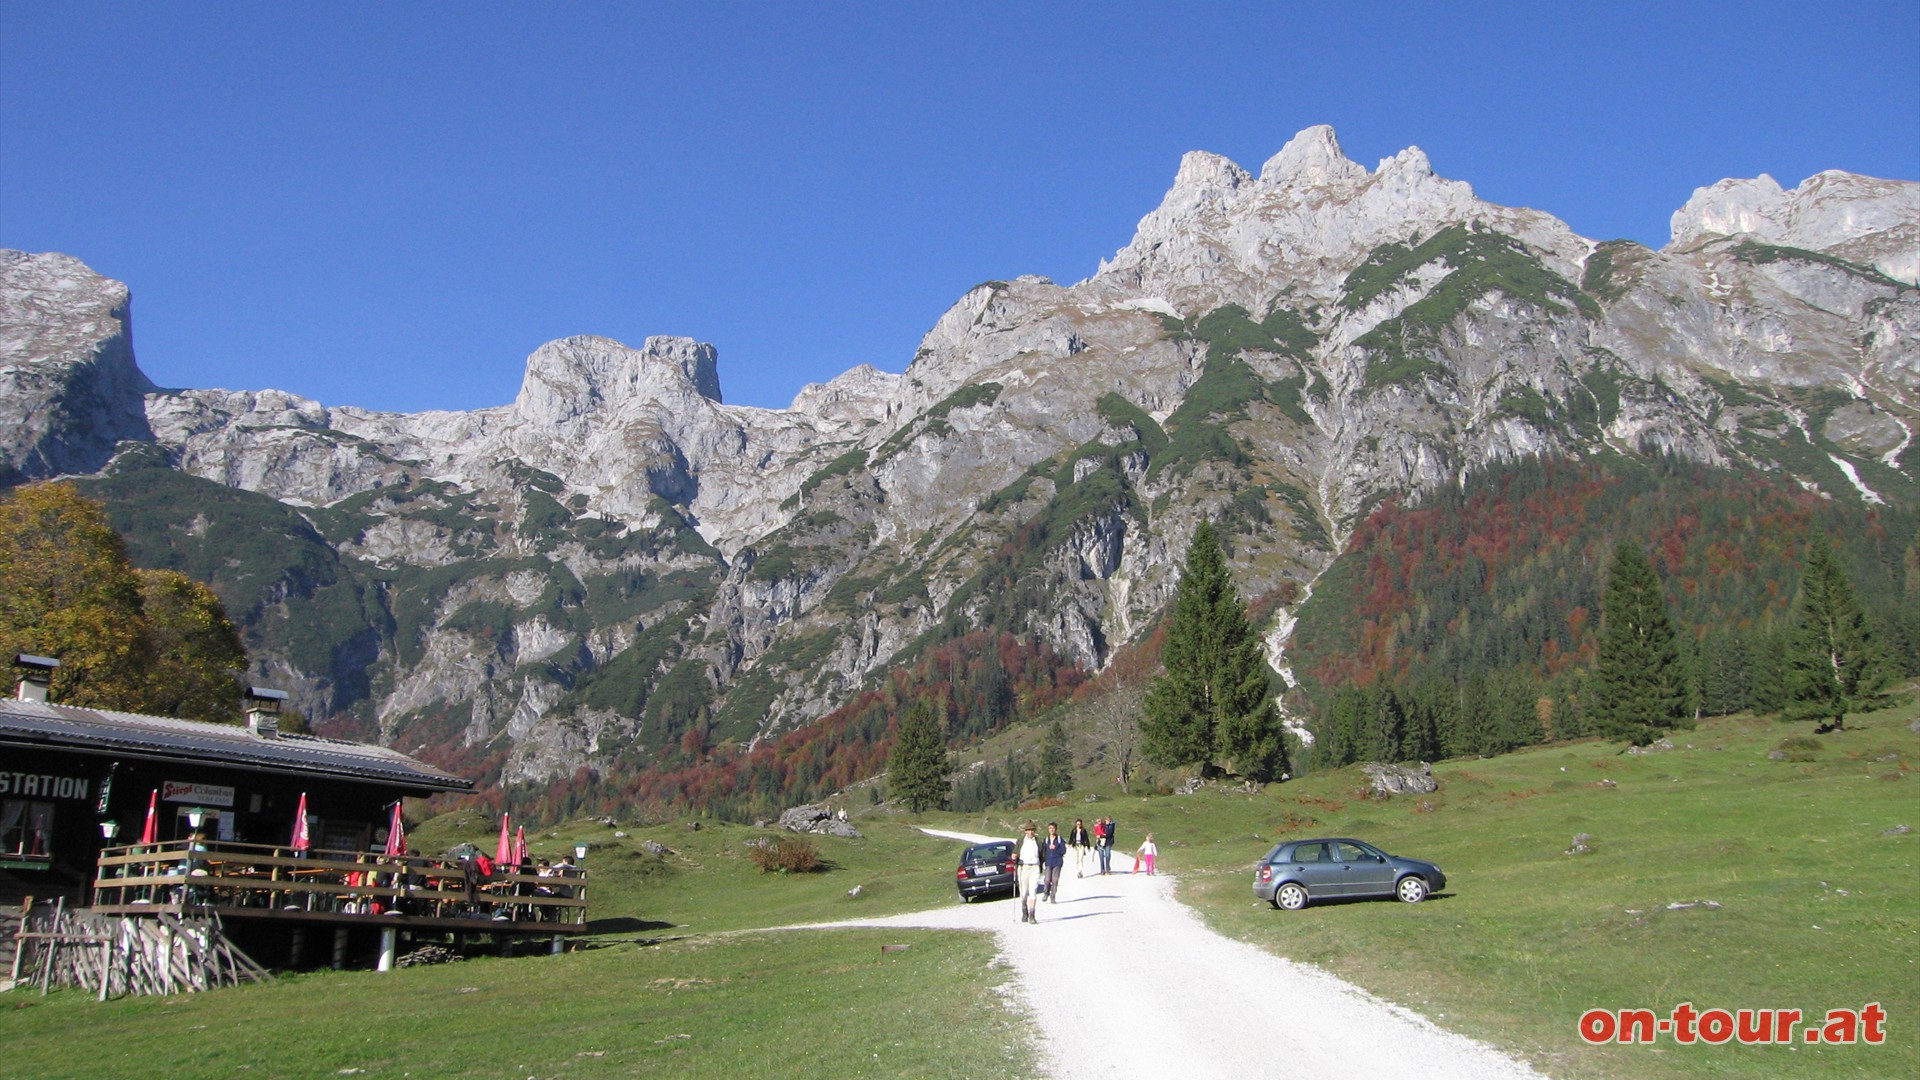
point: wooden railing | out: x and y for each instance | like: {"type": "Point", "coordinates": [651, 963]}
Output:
{"type": "Point", "coordinates": [185, 875]}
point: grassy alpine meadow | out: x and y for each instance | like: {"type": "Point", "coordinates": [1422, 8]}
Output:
{"type": "Point", "coordinates": [1749, 866]}
{"type": "Point", "coordinates": [706, 881]}
{"type": "Point", "coordinates": [1716, 875]}
{"type": "Point", "coordinates": [797, 1004]}
{"type": "Point", "coordinates": [671, 982]}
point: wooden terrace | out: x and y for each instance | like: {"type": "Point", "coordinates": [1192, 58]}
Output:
{"type": "Point", "coordinates": [254, 882]}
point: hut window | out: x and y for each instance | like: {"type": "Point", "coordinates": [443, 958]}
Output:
{"type": "Point", "coordinates": [26, 829]}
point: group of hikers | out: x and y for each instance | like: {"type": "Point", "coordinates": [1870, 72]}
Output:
{"type": "Point", "coordinates": [1040, 861]}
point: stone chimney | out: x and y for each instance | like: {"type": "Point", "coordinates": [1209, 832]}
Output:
{"type": "Point", "coordinates": [263, 711]}
{"type": "Point", "coordinates": [37, 678]}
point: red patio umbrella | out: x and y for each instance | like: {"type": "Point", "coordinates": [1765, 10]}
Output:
{"type": "Point", "coordinates": [503, 852]}
{"type": "Point", "coordinates": [152, 832]}
{"type": "Point", "coordinates": [302, 840]}
{"type": "Point", "coordinates": [396, 834]}
{"type": "Point", "coordinates": [520, 846]}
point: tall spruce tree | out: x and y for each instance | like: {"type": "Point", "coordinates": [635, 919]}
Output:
{"type": "Point", "coordinates": [1056, 761]}
{"type": "Point", "coordinates": [1639, 682]}
{"type": "Point", "coordinates": [1831, 657]}
{"type": "Point", "coordinates": [918, 767]}
{"type": "Point", "coordinates": [1212, 706]}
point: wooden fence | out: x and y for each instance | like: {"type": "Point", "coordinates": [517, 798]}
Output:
{"type": "Point", "coordinates": [162, 954]}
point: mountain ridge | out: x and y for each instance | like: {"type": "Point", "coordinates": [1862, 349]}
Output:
{"type": "Point", "coordinates": [617, 558]}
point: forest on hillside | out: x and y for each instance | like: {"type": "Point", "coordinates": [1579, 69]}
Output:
{"type": "Point", "coordinates": [1469, 623]}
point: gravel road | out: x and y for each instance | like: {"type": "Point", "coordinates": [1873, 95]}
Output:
{"type": "Point", "coordinates": [1122, 980]}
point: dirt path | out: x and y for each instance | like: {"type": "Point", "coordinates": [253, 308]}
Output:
{"type": "Point", "coordinates": [1122, 980]}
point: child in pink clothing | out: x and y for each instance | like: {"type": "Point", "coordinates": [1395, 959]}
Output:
{"type": "Point", "coordinates": [1144, 856]}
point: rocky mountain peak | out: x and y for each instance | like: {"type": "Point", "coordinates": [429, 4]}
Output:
{"type": "Point", "coordinates": [583, 375]}
{"type": "Point", "coordinates": [69, 387]}
{"type": "Point", "coordinates": [1310, 158]}
{"type": "Point", "coordinates": [1202, 170]}
{"type": "Point", "coordinates": [858, 396]}
{"type": "Point", "coordinates": [1311, 219]}
{"type": "Point", "coordinates": [1409, 162]}
{"type": "Point", "coordinates": [1731, 207]}
{"type": "Point", "coordinates": [1869, 220]}
{"type": "Point", "coordinates": [53, 292]}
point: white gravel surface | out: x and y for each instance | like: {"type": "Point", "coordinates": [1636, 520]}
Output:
{"type": "Point", "coordinates": [1122, 980]}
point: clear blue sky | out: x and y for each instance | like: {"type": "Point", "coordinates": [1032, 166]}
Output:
{"type": "Point", "coordinates": [391, 205]}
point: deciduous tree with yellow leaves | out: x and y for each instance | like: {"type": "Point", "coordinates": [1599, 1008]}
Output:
{"type": "Point", "coordinates": [139, 641]}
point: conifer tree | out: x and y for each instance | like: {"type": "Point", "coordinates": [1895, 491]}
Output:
{"type": "Point", "coordinates": [1338, 735]}
{"type": "Point", "coordinates": [1473, 734]}
{"type": "Point", "coordinates": [1639, 685]}
{"type": "Point", "coordinates": [1905, 641]}
{"type": "Point", "coordinates": [1212, 705]}
{"type": "Point", "coordinates": [1429, 720]}
{"type": "Point", "coordinates": [1831, 657]}
{"type": "Point", "coordinates": [1056, 761]}
{"type": "Point", "coordinates": [917, 770]}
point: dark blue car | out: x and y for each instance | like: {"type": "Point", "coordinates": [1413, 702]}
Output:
{"type": "Point", "coordinates": [985, 870]}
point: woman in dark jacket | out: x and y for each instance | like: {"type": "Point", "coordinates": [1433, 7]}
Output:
{"type": "Point", "coordinates": [1053, 855]}
{"type": "Point", "coordinates": [1079, 840]}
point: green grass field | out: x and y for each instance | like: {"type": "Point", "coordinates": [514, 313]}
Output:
{"type": "Point", "coordinates": [673, 982]}
{"type": "Point", "coordinates": [1818, 898]}
{"type": "Point", "coordinates": [815, 1004]}
{"type": "Point", "coordinates": [1819, 906]}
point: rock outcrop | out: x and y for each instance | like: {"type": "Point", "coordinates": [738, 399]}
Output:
{"type": "Point", "coordinates": [1386, 781]}
{"type": "Point", "coordinates": [69, 388]}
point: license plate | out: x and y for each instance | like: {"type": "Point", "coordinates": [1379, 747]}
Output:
{"type": "Point", "coordinates": [984, 871]}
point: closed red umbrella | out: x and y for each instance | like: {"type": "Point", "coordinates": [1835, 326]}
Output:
{"type": "Point", "coordinates": [152, 832]}
{"type": "Point", "coordinates": [302, 840]}
{"type": "Point", "coordinates": [503, 851]}
{"type": "Point", "coordinates": [396, 834]}
{"type": "Point", "coordinates": [520, 846]}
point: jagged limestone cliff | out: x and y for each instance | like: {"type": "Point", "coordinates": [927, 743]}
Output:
{"type": "Point", "coordinates": [581, 576]}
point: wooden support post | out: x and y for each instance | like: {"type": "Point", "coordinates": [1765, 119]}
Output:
{"type": "Point", "coordinates": [339, 948]}
{"type": "Point", "coordinates": [53, 944]}
{"type": "Point", "coordinates": [389, 944]}
{"type": "Point", "coordinates": [20, 941]}
{"type": "Point", "coordinates": [559, 944]}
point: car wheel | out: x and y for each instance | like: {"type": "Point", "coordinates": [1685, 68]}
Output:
{"type": "Point", "coordinates": [965, 899]}
{"type": "Point", "coordinates": [1290, 897]}
{"type": "Point", "coordinates": [1412, 890]}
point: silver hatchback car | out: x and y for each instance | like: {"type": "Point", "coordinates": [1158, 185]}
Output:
{"type": "Point", "coordinates": [1297, 871]}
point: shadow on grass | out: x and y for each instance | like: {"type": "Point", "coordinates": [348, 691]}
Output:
{"type": "Point", "coordinates": [625, 925]}
{"type": "Point", "coordinates": [1344, 901]}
